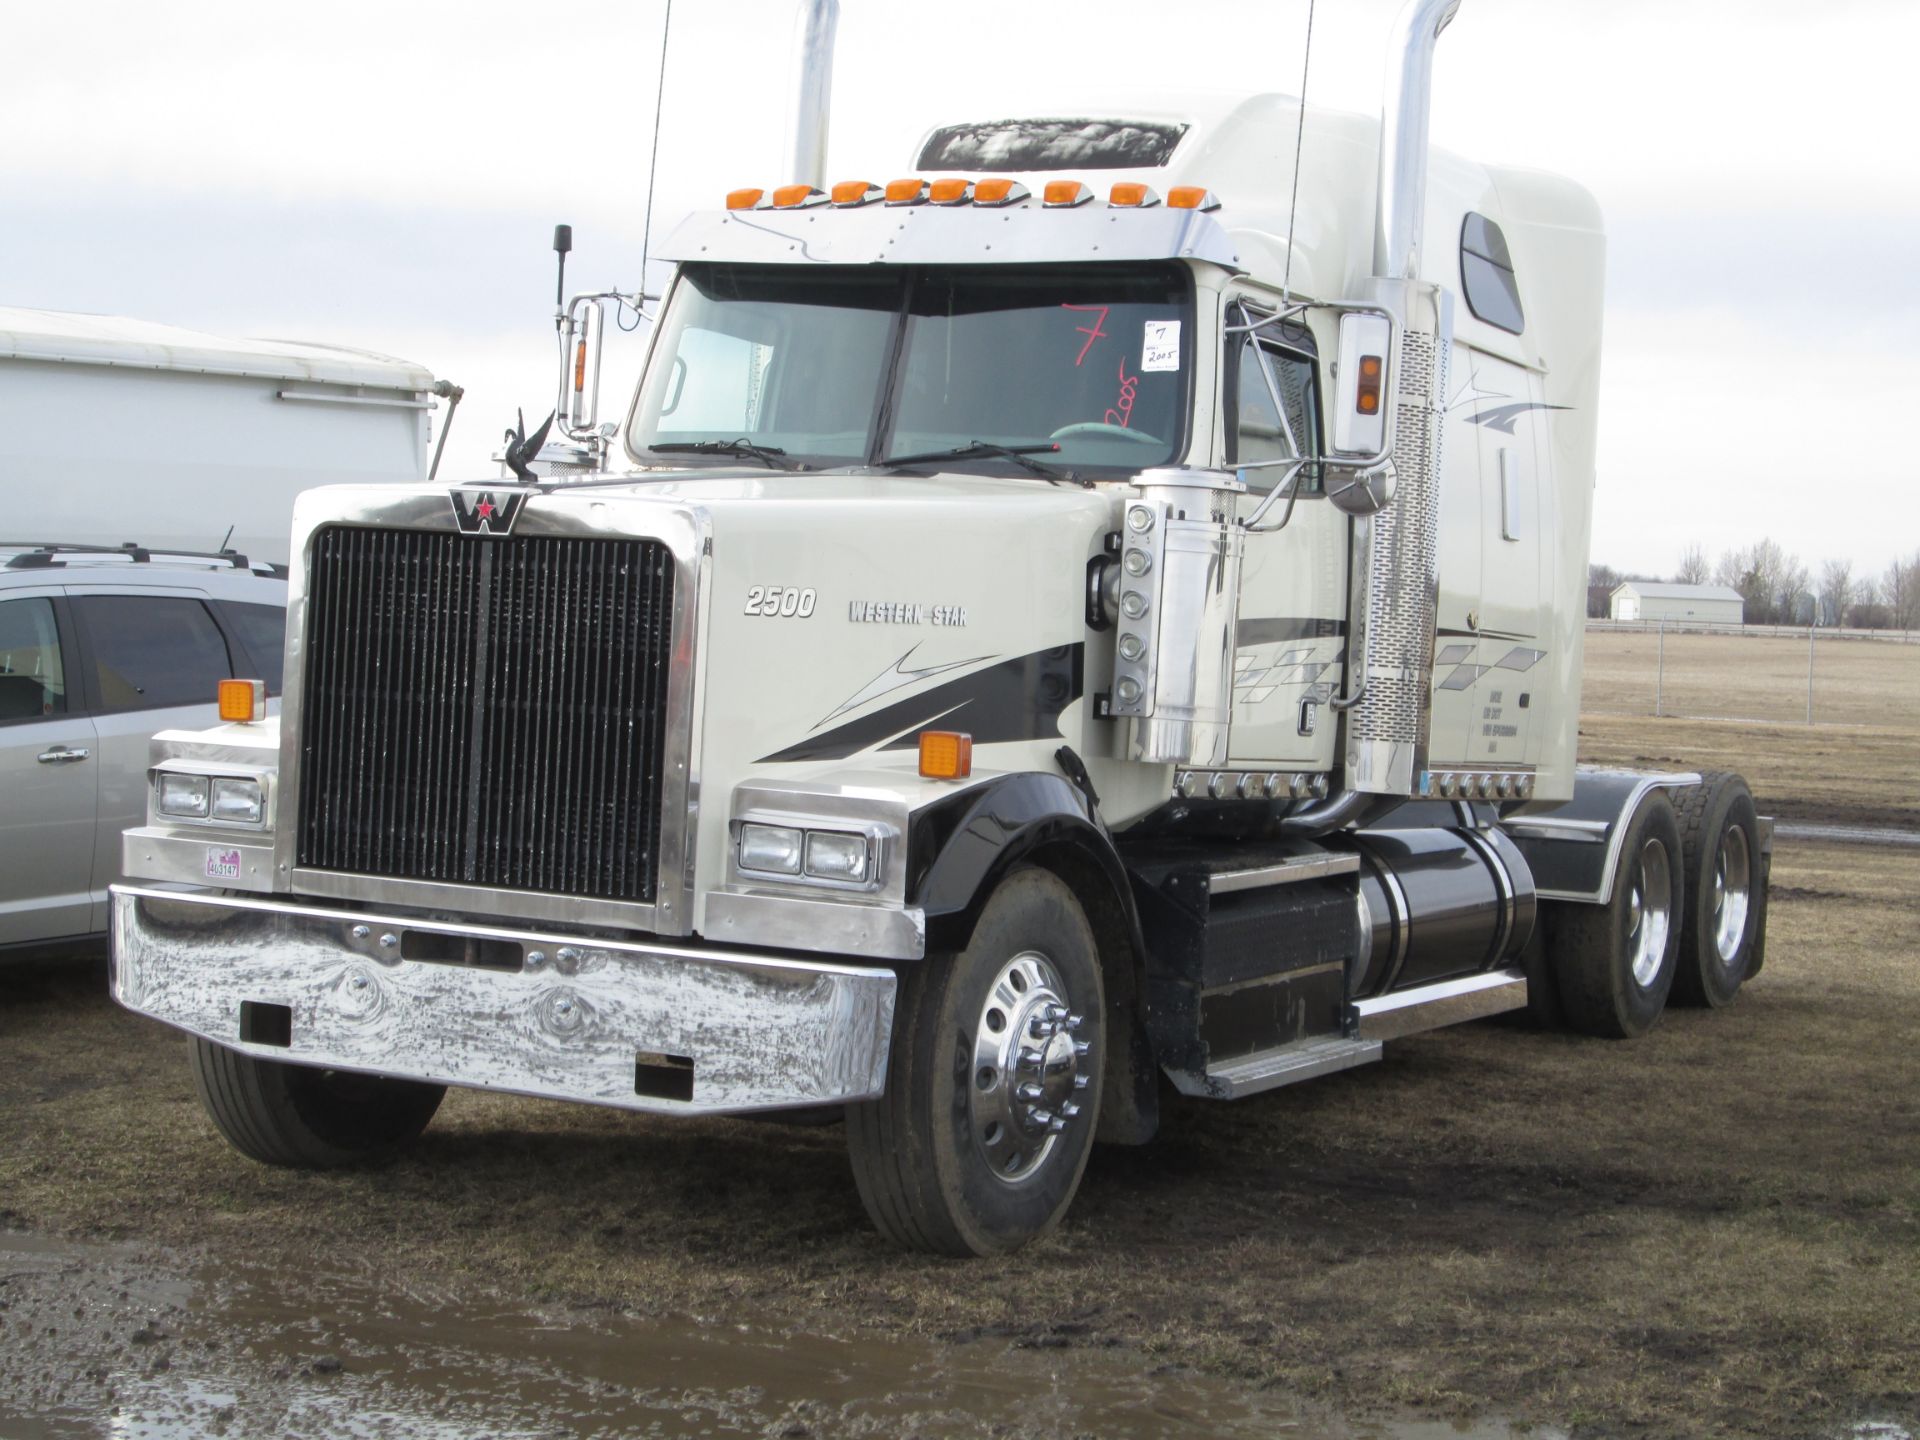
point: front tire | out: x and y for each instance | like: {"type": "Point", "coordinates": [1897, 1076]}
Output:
{"type": "Point", "coordinates": [1720, 925]}
{"type": "Point", "coordinates": [1616, 962]}
{"type": "Point", "coordinates": [993, 1084]}
{"type": "Point", "coordinates": [307, 1118]}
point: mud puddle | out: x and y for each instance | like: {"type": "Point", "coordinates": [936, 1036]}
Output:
{"type": "Point", "coordinates": [102, 1340]}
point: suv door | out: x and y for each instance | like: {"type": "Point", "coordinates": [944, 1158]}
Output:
{"type": "Point", "coordinates": [49, 777]}
{"type": "Point", "coordinates": [154, 660]}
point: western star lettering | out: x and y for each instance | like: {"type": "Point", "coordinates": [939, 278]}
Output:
{"type": "Point", "coordinates": [904, 612]}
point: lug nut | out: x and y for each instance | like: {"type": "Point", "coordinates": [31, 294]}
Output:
{"type": "Point", "coordinates": [1069, 1110]}
{"type": "Point", "coordinates": [1081, 1049]}
{"type": "Point", "coordinates": [1057, 1125]}
{"type": "Point", "coordinates": [1080, 1082]}
{"type": "Point", "coordinates": [1029, 1059]}
{"type": "Point", "coordinates": [1041, 1029]}
{"type": "Point", "coordinates": [1041, 1117]}
{"type": "Point", "coordinates": [1074, 1022]}
{"type": "Point", "coordinates": [1029, 1092]}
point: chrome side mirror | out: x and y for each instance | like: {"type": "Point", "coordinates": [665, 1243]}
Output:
{"type": "Point", "coordinates": [1360, 492]}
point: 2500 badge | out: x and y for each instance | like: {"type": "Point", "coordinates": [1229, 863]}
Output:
{"type": "Point", "coordinates": [787, 600]}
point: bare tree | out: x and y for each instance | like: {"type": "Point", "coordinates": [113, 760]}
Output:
{"type": "Point", "coordinates": [1901, 591]}
{"type": "Point", "coordinates": [1694, 567]}
{"type": "Point", "coordinates": [1836, 590]}
{"type": "Point", "coordinates": [1732, 568]}
{"type": "Point", "coordinates": [1793, 592]}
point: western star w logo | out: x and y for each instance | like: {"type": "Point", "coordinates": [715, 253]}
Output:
{"type": "Point", "coordinates": [485, 512]}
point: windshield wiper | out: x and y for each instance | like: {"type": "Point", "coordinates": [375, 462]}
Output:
{"type": "Point", "coordinates": [975, 449]}
{"type": "Point", "coordinates": [771, 456]}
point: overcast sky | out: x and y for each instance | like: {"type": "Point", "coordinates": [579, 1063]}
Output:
{"type": "Point", "coordinates": [387, 175]}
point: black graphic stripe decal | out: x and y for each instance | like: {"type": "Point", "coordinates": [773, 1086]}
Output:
{"type": "Point", "coordinates": [1018, 699]}
{"type": "Point", "coordinates": [1273, 629]}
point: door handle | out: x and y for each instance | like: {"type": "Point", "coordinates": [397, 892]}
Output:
{"type": "Point", "coordinates": [62, 756]}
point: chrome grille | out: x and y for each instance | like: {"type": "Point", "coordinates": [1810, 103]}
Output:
{"type": "Point", "coordinates": [486, 712]}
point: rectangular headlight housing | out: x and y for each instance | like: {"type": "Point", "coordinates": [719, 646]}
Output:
{"type": "Point", "coordinates": [238, 800]}
{"type": "Point", "coordinates": [184, 796]}
{"type": "Point", "coordinates": [772, 849]}
{"type": "Point", "coordinates": [836, 855]}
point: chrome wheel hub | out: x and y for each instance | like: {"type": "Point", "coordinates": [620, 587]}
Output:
{"type": "Point", "coordinates": [1649, 912]}
{"type": "Point", "coordinates": [1732, 894]}
{"type": "Point", "coordinates": [1029, 1067]}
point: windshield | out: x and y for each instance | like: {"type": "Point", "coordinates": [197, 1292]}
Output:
{"type": "Point", "coordinates": [837, 366]}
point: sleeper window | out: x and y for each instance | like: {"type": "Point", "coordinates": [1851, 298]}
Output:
{"type": "Point", "coordinates": [1486, 274]}
{"type": "Point", "coordinates": [1254, 428]}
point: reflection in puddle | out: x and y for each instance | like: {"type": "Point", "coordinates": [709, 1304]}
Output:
{"type": "Point", "coordinates": [245, 1350]}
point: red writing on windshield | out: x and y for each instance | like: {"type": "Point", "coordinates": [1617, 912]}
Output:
{"type": "Point", "coordinates": [1122, 412]}
{"type": "Point", "coordinates": [1092, 332]}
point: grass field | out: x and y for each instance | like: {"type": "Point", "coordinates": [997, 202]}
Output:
{"type": "Point", "coordinates": [1711, 1231]}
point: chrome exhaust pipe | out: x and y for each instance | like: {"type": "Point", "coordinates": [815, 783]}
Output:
{"type": "Point", "coordinates": [812, 92]}
{"type": "Point", "coordinates": [1405, 107]}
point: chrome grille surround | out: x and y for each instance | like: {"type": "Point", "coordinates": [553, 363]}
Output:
{"type": "Point", "coordinates": [548, 516]}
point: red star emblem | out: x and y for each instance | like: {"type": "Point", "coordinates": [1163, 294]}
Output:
{"type": "Point", "coordinates": [484, 509]}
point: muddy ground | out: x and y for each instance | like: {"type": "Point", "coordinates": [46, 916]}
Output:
{"type": "Point", "coordinates": [1711, 1231]}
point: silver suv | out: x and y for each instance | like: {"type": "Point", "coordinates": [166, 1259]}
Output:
{"type": "Point", "coordinates": [99, 649]}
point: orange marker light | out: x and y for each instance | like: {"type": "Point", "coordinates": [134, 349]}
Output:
{"type": "Point", "coordinates": [999, 192]}
{"type": "Point", "coordinates": [950, 192]}
{"type": "Point", "coordinates": [744, 199]}
{"type": "Point", "coordinates": [792, 197]}
{"type": "Point", "coordinates": [1128, 194]}
{"type": "Point", "coordinates": [906, 192]}
{"type": "Point", "coordinates": [854, 192]}
{"type": "Point", "coordinates": [243, 701]}
{"type": "Point", "coordinates": [1367, 397]}
{"type": "Point", "coordinates": [946, 755]}
{"type": "Point", "coordinates": [1065, 192]}
{"type": "Point", "coordinates": [580, 367]}
{"type": "Point", "coordinates": [1192, 197]}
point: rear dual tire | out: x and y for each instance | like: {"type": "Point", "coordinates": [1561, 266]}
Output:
{"type": "Point", "coordinates": [1723, 919]}
{"type": "Point", "coordinates": [1616, 962]}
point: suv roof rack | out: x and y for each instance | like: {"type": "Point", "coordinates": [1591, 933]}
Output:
{"type": "Point", "coordinates": [45, 554]}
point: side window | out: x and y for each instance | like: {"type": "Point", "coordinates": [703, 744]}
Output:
{"type": "Point", "coordinates": [1255, 430]}
{"type": "Point", "coordinates": [33, 683]}
{"type": "Point", "coordinates": [1486, 274]}
{"type": "Point", "coordinates": [263, 634]}
{"type": "Point", "coordinates": [152, 651]}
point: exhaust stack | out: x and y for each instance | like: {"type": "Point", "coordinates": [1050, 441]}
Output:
{"type": "Point", "coordinates": [1404, 110]}
{"type": "Point", "coordinates": [813, 91]}
{"type": "Point", "coordinates": [1396, 578]}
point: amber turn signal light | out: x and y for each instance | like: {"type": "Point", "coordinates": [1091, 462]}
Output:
{"type": "Point", "coordinates": [950, 192]}
{"type": "Point", "coordinates": [1367, 399]}
{"type": "Point", "coordinates": [1127, 194]}
{"type": "Point", "coordinates": [243, 701]}
{"type": "Point", "coordinates": [1060, 194]}
{"type": "Point", "coordinates": [946, 755]}
{"type": "Point", "coordinates": [906, 192]}
{"type": "Point", "coordinates": [744, 199]}
{"type": "Point", "coordinates": [854, 192]}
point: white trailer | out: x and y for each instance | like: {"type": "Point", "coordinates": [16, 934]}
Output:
{"type": "Point", "coordinates": [1062, 624]}
{"type": "Point", "coordinates": [115, 430]}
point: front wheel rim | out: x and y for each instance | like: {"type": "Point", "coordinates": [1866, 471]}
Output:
{"type": "Point", "coordinates": [1649, 913]}
{"type": "Point", "coordinates": [1029, 1068]}
{"type": "Point", "coordinates": [1732, 894]}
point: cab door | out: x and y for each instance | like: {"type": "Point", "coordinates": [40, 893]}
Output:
{"type": "Point", "coordinates": [1292, 621]}
{"type": "Point", "coordinates": [49, 776]}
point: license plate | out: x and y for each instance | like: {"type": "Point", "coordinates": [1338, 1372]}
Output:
{"type": "Point", "coordinates": [222, 864]}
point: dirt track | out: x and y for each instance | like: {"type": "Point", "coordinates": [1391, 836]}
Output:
{"type": "Point", "coordinates": [1715, 1230]}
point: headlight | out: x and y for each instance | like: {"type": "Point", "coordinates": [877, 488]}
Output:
{"type": "Point", "coordinates": [183, 795]}
{"type": "Point", "coordinates": [237, 800]}
{"type": "Point", "coordinates": [772, 848]}
{"type": "Point", "coordinates": [832, 855]}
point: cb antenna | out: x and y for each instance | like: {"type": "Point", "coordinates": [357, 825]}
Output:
{"type": "Point", "coordinates": [653, 161]}
{"type": "Point", "coordinates": [562, 243]}
{"type": "Point", "coordinates": [1299, 138]}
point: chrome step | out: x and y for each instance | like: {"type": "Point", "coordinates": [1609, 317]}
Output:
{"type": "Point", "coordinates": [1288, 872]}
{"type": "Point", "coordinates": [1428, 1007]}
{"type": "Point", "coordinates": [1270, 1069]}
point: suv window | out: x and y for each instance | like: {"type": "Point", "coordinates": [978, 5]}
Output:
{"type": "Point", "coordinates": [153, 651]}
{"type": "Point", "coordinates": [262, 630]}
{"type": "Point", "coordinates": [33, 684]}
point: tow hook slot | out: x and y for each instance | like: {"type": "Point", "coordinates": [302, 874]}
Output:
{"type": "Point", "coordinates": [663, 1077]}
{"type": "Point", "coordinates": [436, 947]}
{"type": "Point", "coordinates": [264, 1023]}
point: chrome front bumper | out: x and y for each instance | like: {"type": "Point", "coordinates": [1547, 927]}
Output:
{"type": "Point", "coordinates": [531, 1012]}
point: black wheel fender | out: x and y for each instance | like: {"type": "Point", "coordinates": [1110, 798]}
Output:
{"type": "Point", "coordinates": [961, 847]}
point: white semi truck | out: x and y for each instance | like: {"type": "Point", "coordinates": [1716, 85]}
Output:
{"type": "Point", "coordinates": [1078, 620]}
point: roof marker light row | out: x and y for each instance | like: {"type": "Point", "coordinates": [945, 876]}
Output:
{"type": "Point", "coordinates": [997, 192]}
